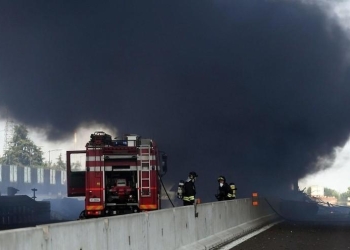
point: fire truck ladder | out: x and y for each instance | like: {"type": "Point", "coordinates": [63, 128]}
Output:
{"type": "Point", "coordinates": [145, 183]}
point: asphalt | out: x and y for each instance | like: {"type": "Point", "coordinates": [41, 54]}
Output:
{"type": "Point", "coordinates": [300, 236]}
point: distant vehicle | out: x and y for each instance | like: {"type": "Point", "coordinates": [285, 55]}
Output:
{"type": "Point", "coordinates": [120, 175]}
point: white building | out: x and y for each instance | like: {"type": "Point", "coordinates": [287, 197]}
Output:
{"type": "Point", "coordinates": [317, 191]}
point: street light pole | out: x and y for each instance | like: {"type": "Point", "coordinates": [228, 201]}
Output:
{"type": "Point", "coordinates": [57, 149]}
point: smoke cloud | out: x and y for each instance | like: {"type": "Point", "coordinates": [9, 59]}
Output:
{"type": "Point", "coordinates": [253, 90]}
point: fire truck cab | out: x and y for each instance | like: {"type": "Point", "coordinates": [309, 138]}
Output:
{"type": "Point", "coordinates": [120, 175]}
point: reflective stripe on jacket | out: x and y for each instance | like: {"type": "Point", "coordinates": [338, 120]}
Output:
{"type": "Point", "coordinates": [233, 189]}
{"type": "Point", "coordinates": [188, 198]}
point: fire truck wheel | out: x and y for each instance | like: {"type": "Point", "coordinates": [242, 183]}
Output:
{"type": "Point", "coordinates": [82, 215]}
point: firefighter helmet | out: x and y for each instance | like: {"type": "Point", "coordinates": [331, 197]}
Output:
{"type": "Point", "coordinates": [192, 175]}
{"type": "Point", "coordinates": [221, 178]}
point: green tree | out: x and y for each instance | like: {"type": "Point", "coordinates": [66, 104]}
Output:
{"type": "Point", "coordinates": [76, 166]}
{"type": "Point", "coordinates": [308, 191]}
{"type": "Point", "coordinates": [23, 151]}
{"type": "Point", "coordinates": [344, 196]}
{"type": "Point", "coordinates": [331, 193]}
{"type": "Point", "coordinates": [60, 163]}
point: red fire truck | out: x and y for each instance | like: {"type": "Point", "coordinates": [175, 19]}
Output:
{"type": "Point", "coordinates": [120, 175]}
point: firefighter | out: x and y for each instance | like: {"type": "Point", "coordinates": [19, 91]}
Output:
{"type": "Point", "coordinates": [189, 189]}
{"type": "Point", "coordinates": [224, 191]}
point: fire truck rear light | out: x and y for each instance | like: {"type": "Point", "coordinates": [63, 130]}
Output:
{"type": "Point", "coordinates": [94, 199]}
{"type": "Point", "coordinates": [94, 212]}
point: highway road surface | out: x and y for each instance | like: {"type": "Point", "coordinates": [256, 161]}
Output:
{"type": "Point", "coordinates": [298, 236]}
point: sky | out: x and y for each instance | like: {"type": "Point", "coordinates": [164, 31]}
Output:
{"type": "Point", "coordinates": [253, 90]}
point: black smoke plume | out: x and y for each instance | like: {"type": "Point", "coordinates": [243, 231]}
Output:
{"type": "Point", "coordinates": [253, 90]}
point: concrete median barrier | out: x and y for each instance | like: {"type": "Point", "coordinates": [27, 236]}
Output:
{"type": "Point", "coordinates": [205, 226]}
